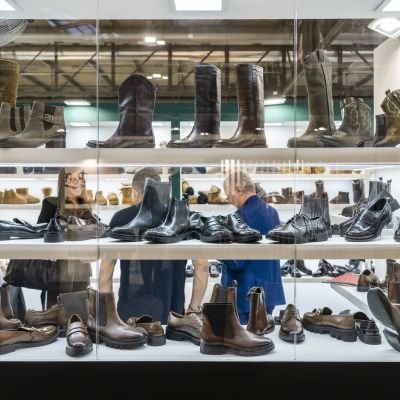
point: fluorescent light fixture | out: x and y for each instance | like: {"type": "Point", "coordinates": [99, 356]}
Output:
{"type": "Point", "coordinates": [274, 101]}
{"type": "Point", "coordinates": [273, 124]}
{"type": "Point", "coordinates": [165, 77]}
{"type": "Point", "coordinates": [198, 5]}
{"type": "Point", "coordinates": [6, 6]}
{"type": "Point", "coordinates": [149, 77]}
{"type": "Point", "coordinates": [389, 27]}
{"type": "Point", "coordinates": [150, 39]}
{"type": "Point", "coordinates": [390, 5]}
{"type": "Point", "coordinates": [160, 42]}
{"type": "Point", "coordinates": [79, 124]}
{"type": "Point", "coordinates": [77, 102]}
{"type": "Point", "coordinates": [157, 76]}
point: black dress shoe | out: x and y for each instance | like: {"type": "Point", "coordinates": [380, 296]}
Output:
{"type": "Point", "coordinates": [370, 222]}
{"type": "Point", "coordinates": [242, 233]}
{"type": "Point", "coordinates": [55, 231]}
{"type": "Point", "coordinates": [301, 267]}
{"type": "Point", "coordinates": [325, 269]}
{"type": "Point", "coordinates": [354, 266]}
{"type": "Point", "coordinates": [300, 229]}
{"type": "Point", "coordinates": [287, 267]}
{"type": "Point", "coordinates": [176, 226]}
{"type": "Point", "coordinates": [210, 230]}
{"type": "Point", "coordinates": [11, 229]}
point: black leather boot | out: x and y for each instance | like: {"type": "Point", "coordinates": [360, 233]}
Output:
{"type": "Point", "coordinates": [380, 128]}
{"type": "Point", "coordinates": [153, 211]}
{"type": "Point", "coordinates": [250, 96]}
{"type": "Point", "coordinates": [46, 125]}
{"type": "Point", "coordinates": [205, 132]}
{"type": "Point", "coordinates": [175, 227]}
{"type": "Point", "coordinates": [136, 101]}
{"type": "Point", "coordinates": [355, 130]}
{"type": "Point", "coordinates": [391, 108]}
{"type": "Point", "coordinates": [317, 207]}
{"type": "Point", "coordinates": [318, 73]}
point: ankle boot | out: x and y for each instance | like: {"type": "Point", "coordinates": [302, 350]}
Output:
{"type": "Point", "coordinates": [136, 101]}
{"type": "Point", "coordinates": [89, 196]}
{"type": "Point", "coordinates": [46, 125]}
{"type": "Point", "coordinates": [9, 79]}
{"type": "Point", "coordinates": [391, 108]}
{"type": "Point", "coordinates": [205, 132]}
{"type": "Point", "coordinates": [10, 197]}
{"type": "Point", "coordinates": [318, 73]}
{"type": "Point", "coordinates": [380, 128]}
{"type": "Point", "coordinates": [319, 190]}
{"type": "Point", "coordinates": [112, 199]}
{"type": "Point", "coordinates": [29, 198]}
{"type": "Point", "coordinates": [355, 130]}
{"type": "Point", "coordinates": [260, 323]}
{"type": "Point", "coordinates": [222, 333]}
{"type": "Point", "coordinates": [358, 190]}
{"type": "Point", "coordinates": [126, 195]}
{"type": "Point", "coordinates": [48, 190]}
{"type": "Point", "coordinates": [7, 320]}
{"type": "Point", "coordinates": [250, 96]}
{"type": "Point", "coordinates": [103, 322]}
{"type": "Point", "coordinates": [341, 198]}
{"type": "Point", "coordinates": [225, 294]}
{"type": "Point", "coordinates": [153, 211]}
{"type": "Point", "coordinates": [100, 199]}
{"type": "Point", "coordinates": [176, 226]}
{"type": "Point", "coordinates": [317, 207]}
{"type": "Point", "coordinates": [287, 193]}
{"type": "Point", "coordinates": [1, 197]}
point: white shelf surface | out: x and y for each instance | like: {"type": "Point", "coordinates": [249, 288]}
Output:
{"type": "Point", "coordinates": [277, 177]}
{"type": "Point", "coordinates": [334, 248]}
{"type": "Point", "coordinates": [197, 157]}
{"type": "Point", "coordinates": [318, 348]}
{"type": "Point", "coordinates": [350, 293]}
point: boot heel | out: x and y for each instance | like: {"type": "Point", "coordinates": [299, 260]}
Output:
{"type": "Point", "coordinates": [57, 143]}
{"type": "Point", "coordinates": [213, 350]}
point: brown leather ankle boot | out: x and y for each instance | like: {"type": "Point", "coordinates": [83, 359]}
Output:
{"type": "Point", "coordinates": [260, 323]}
{"type": "Point", "coordinates": [29, 198]}
{"type": "Point", "coordinates": [222, 333]}
{"type": "Point", "coordinates": [107, 324]}
{"type": "Point", "coordinates": [225, 294]}
{"type": "Point", "coordinates": [7, 320]}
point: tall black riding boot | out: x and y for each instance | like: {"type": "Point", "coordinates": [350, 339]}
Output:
{"type": "Point", "coordinates": [153, 211]}
{"type": "Point", "coordinates": [250, 96]}
{"type": "Point", "coordinates": [136, 101]}
{"type": "Point", "coordinates": [355, 130]}
{"type": "Point", "coordinates": [205, 132]}
{"type": "Point", "coordinates": [318, 72]}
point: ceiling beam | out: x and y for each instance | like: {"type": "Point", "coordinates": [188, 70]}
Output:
{"type": "Point", "coordinates": [66, 76]}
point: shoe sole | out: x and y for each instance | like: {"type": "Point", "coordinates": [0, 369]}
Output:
{"type": "Point", "coordinates": [54, 237]}
{"type": "Point", "coordinates": [321, 237]}
{"type": "Point", "coordinates": [156, 340]}
{"type": "Point", "coordinates": [292, 337]}
{"type": "Point", "coordinates": [221, 238]}
{"type": "Point", "coordinates": [168, 239]}
{"type": "Point", "coordinates": [247, 239]}
{"type": "Point", "coordinates": [218, 349]}
{"type": "Point", "coordinates": [126, 238]}
{"type": "Point", "coordinates": [116, 344]}
{"type": "Point", "coordinates": [9, 348]}
{"type": "Point", "coordinates": [13, 234]}
{"type": "Point", "coordinates": [378, 309]}
{"type": "Point", "coordinates": [377, 234]}
{"type": "Point", "coordinates": [369, 339]}
{"type": "Point", "coordinates": [347, 335]}
{"type": "Point", "coordinates": [78, 351]}
{"type": "Point", "coordinates": [392, 339]}
{"type": "Point", "coordinates": [180, 336]}
{"type": "Point", "coordinates": [128, 145]}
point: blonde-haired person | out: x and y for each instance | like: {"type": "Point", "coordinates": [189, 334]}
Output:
{"type": "Point", "coordinates": [153, 287]}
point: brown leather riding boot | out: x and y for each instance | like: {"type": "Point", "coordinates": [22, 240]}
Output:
{"type": "Point", "coordinates": [7, 320]}
{"type": "Point", "coordinates": [9, 79]}
{"type": "Point", "coordinates": [260, 323]}
{"type": "Point", "coordinates": [222, 333]}
{"type": "Point", "coordinates": [107, 325]}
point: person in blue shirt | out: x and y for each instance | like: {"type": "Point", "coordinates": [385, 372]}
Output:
{"type": "Point", "coordinates": [240, 191]}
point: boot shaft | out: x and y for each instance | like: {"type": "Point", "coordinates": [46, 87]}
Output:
{"type": "Point", "coordinates": [317, 207]}
{"type": "Point", "coordinates": [224, 294]}
{"type": "Point", "coordinates": [178, 213]}
{"type": "Point", "coordinates": [220, 320]}
{"type": "Point", "coordinates": [250, 96]}
{"type": "Point", "coordinates": [207, 99]}
{"type": "Point", "coordinates": [258, 317]}
{"type": "Point", "coordinates": [358, 190]}
{"type": "Point", "coordinates": [9, 79]}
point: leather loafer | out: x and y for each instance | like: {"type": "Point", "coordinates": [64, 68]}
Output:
{"type": "Point", "coordinates": [78, 340]}
{"type": "Point", "coordinates": [155, 332]}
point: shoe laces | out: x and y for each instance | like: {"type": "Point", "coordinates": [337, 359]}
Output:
{"type": "Point", "coordinates": [291, 312]}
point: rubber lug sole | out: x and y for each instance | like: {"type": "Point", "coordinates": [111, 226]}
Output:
{"type": "Point", "coordinates": [78, 351]}
{"type": "Point", "coordinates": [292, 337]}
{"type": "Point", "coordinates": [9, 348]}
{"type": "Point", "coordinates": [347, 335]}
{"type": "Point", "coordinates": [116, 344]}
{"type": "Point", "coordinates": [156, 340]}
{"type": "Point", "coordinates": [218, 349]}
{"type": "Point", "coordinates": [179, 336]}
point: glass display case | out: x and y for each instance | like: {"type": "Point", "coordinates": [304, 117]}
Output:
{"type": "Point", "coordinates": [200, 185]}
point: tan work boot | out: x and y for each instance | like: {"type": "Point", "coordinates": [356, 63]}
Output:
{"type": "Point", "coordinates": [100, 199]}
{"type": "Point", "coordinates": [10, 197]}
{"type": "Point", "coordinates": [126, 195]}
{"type": "Point", "coordinates": [47, 191]}
{"type": "Point", "coordinates": [29, 198]}
{"type": "Point", "coordinates": [112, 199]}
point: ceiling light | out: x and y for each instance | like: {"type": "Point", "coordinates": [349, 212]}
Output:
{"type": "Point", "coordinates": [389, 27]}
{"type": "Point", "coordinates": [274, 101]}
{"type": "Point", "coordinates": [6, 6]}
{"type": "Point", "coordinates": [79, 124]}
{"type": "Point", "coordinates": [390, 5]}
{"type": "Point", "coordinates": [198, 5]}
{"type": "Point", "coordinates": [77, 102]}
{"type": "Point", "coordinates": [160, 42]}
{"type": "Point", "coordinates": [273, 124]}
{"type": "Point", "coordinates": [156, 76]}
{"type": "Point", "coordinates": [150, 39]}
{"type": "Point", "coordinates": [165, 77]}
